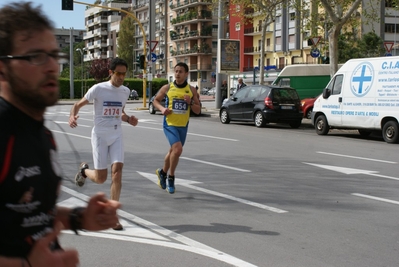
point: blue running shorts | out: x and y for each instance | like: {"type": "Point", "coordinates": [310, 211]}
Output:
{"type": "Point", "coordinates": [175, 134]}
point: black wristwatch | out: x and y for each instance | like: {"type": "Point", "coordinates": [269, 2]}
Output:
{"type": "Point", "coordinates": [76, 219]}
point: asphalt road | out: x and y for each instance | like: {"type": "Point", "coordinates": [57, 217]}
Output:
{"type": "Point", "coordinates": [245, 196]}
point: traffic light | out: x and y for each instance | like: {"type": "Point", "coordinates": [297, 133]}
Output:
{"type": "Point", "coordinates": [142, 61]}
{"type": "Point", "coordinates": [67, 5]}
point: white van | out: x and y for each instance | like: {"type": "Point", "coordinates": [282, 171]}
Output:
{"type": "Point", "coordinates": [362, 95]}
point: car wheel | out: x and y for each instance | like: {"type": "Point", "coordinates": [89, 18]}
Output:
{"type": "Point", "coordinates": [151, 108]}
{"type": "Point", "coordinates": [224, 116]}
{"type": "Point", "coordinates": [259, 120]}
{"type": "Point", "coordinates": [321, 125]}
{"type": "Point", "coordinates": [390, 132]}
{"type": "Point", "coordinates": [295, 124]}
{"type": "Point", "coordinates": [364, 133]}
{"type": "Point", "coordinates": [309, 113]}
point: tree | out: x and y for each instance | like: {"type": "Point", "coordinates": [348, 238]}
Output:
{"type": "Point", "coordinates": [126, 42]}
{"type": "Point", "coordinates": [77, 61]}
{"type": "Point", "coordinates": [371, 45]}
{"type": "Point", "coordinates": [339, 12]}
{"type": "Point", "coordinates": [99, 69]}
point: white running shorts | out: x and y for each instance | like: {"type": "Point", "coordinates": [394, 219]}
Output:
{"type": "Point", "coordinates": [107, 141]}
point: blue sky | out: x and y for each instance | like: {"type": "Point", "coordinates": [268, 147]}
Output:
{"type": "Point", "coordinates": [61, 18]}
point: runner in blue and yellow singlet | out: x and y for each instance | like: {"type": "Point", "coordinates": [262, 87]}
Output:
{"type": "Point", "coordinates": [180, 99]}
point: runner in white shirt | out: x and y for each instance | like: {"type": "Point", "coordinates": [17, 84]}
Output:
{"type": "Point", "coordinates": [106, 137]}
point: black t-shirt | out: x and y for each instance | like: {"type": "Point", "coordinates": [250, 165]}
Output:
{"type": "Point", "coordinates": [30, 181]}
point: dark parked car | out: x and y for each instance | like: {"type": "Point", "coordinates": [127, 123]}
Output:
{"type": "Point", "coordinates": [153, 110]}
{"type": "Point", "coordinates": [263, 104]}
{"type": "Point", "coordinates": [134, 95]}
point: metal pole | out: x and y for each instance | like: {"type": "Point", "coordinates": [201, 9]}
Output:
{"type": "Point", "coordinates": [219, 76]}
{"type": "Point", "coordinates": [71, 78]}
{"type": "Point", "coordinates": [152, 38]}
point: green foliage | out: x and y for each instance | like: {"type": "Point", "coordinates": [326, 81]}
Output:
{"type": "Point", "coordinates": [126, 41]}
{"type": "Point", "coordinates": [347, 49]}
{"type": "Point", "coordinates": [370, 45]}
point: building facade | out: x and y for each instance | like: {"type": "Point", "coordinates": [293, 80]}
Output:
{"type": "Point", "coordinates": [175, 31]}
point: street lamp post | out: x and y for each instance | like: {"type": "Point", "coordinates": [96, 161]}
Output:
{"type": "Point", "coordinates": [133, 65]}
{"type": "Point", "coordinates": [81, 82]}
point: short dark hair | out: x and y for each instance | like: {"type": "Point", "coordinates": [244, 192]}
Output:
{"type": "Point", "coordinates": [182, 64]}
{"type": "Point", "coordinates": [116, 62]}
{"type": "Point", "coordinates": [17, 17]}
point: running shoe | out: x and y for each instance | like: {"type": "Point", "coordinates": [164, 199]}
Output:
{"type": "Point", "coordinates": [118, 227]}
{"type": "Point", "coordinates": [79, 178]}
{"type": "Point", "coordinates": [170, 185]}
{"type": "Point", "coordinates": [161, 178]}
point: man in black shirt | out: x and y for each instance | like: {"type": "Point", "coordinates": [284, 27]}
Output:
{"type": "Point", "coordinates": [30, 176]}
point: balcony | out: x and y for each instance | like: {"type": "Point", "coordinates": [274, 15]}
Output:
{"type": "Point", "coordinates": [255, 50]}
{"type": "Point", "coordinates": [201, 67]}
{"type": "Point", "coordinates": [194, 51]}
{"type": "Point", "coordinates": [252, 31]}
{"type": "Point", "coordinates": [189, 3]}
{"type": "Point", "coordinates": [192, 16]}
{"type": "Point", "coordinates": [193, 34]}
{"type": "Point", "coordinates": [140, 7]}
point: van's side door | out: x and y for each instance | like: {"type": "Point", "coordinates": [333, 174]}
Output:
{"type": "Point", "coordinates": [334, 101]}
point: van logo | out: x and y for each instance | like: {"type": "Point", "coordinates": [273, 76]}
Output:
{"type": "Point", "coordinates": [362, 79]}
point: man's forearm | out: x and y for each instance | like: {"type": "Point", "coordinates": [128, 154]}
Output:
{"type": "Point", "coordinates": [13, 262]}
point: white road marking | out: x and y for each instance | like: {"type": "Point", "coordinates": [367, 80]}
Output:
{"type": "Point", "coordinates": [214, 137]}
{"type": "Point", "coordinates": [355, 157]}
{"type": "Point", "coordinates": [215, 164]}
{"type": "Point", "coordinates": [147, 121]}
{"type": "Point", "coordinates": [79, 125]}
{"type": "Point", "coordinates": [71, 134]}
{"type": "Point", "coordinates": [350, 171]}
{"type": "Point", "coordinates": [189, 184]}
{"type": "Point", "coordinates": [376, 198]}
{"type": "Point", "coordinates": [145, 232]}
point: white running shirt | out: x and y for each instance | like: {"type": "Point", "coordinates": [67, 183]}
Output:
{"type": "Point", "coordinates": [108, 103]}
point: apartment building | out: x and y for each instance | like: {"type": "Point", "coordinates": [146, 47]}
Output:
{"type": "Point", "coordinates": [186, 31]}
{"type": "Point", "coordinates": [63, 36]}
{"type": "Point", "coordinates": [287, 37]}
{"type": "Point", "coordinates": [155, 31]}
{"type": "Point", "coordinates": [102, 27]}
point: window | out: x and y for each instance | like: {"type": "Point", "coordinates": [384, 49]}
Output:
{"type": "Point", "coordinates": [337, 85]}
{"type": "Point", "coordinates": [242, 93]}
{"type": "Point", "coordinates": [292, 16]}
{"type": "Point", "coordinates": [253, 93]}
{"type": "Point", "coordinates": [285, 82]}
{"type": "Point", "coordinates": [214, 28]}
{"type": "Point", "coordinates": [291, 38]}
{"type": "Point", "coordinates": [391, 28]}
